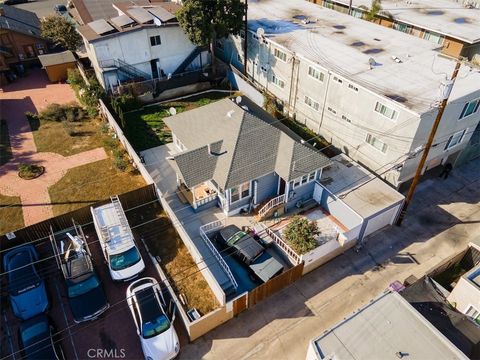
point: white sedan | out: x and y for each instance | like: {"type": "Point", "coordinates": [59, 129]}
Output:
{"type": "Point", "coordinates": [155, 329]}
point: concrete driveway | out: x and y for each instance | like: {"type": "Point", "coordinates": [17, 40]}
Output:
{"type": "Point", "coordinates": [444, 217]}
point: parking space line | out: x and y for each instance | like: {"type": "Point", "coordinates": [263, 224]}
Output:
{"type": "Point", "coordinates": [66, 322]}
{"type": "Point", "coordinates": [9, 335]}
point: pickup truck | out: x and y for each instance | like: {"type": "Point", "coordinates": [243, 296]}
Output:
{"type": "Point", "coordinates": [263, 265]}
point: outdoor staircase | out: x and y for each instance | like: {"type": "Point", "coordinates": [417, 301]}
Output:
{"type": "Point", "coordinates": [189, 59]}
{"type": "Point", "coordinates": [128, 70]}
{"type": "Point", "coordinates": [270, 207]}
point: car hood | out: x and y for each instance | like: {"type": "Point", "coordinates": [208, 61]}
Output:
{"type": "Point", "coordinates": [86, 305]}
{"type": "Point", "coordinates": [128, 273]}
{"type": "Point", "coordinates": [161, 346]}
{"type": "Point", "coordinates": [31, 302]}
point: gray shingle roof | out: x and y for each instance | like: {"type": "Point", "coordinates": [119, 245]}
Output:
{"type": "Point", "coordinates": [19, 20]}
{"type": "Point", "coordinates": [243, 146]}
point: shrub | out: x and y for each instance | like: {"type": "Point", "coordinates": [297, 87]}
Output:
{"type": "Point", "coordinates": [31, 116]}
{"type": "Point", "coordinates": [57, 112]}
{"type": "Point", "coordinates": [30, 171]}
{"type": "Point", "coordinates": [69, 128]}
{"type": "Point", "coordinates": [300, 234]}
{"type": "Point", "coordinates": [120, 162]}
{"type": "Point", "coordinates": [105, 128]}
{"type": "Point", "coordinates": [110, 143]}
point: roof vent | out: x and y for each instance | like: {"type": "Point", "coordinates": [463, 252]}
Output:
{"type": "Point", "coordinates": [396, 59]}
{"type": "Point", "coordinates": [230, 113]}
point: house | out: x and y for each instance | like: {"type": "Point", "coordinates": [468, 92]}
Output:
{"type": "Point", "coordinates": [388, 327]}
{"type": "Point", "coordinates": [139, 43]}
{"type": "Point", "coordinates": [20, 40]}
{"type": "Point", "coordinates": [371, 91]}
{"type": "Point", "coordinates": [451, 24]}
{"type": "Point", "coordinates": [234, 154]}
{"type": "Point", "coordinates": [56, 65]}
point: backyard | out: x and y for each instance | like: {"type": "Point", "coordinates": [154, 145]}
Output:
{"type": "Point", "coordinates": [164, 242]}
{"type": "Point", "coordinates": [10, 213]}
{"type": "Point", "coordinates": [145, 128]}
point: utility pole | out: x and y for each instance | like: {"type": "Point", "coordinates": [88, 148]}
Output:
{"type": "Point", "coordinates": [428, 145]}
{"type": "Point", "coordinates": [245, 44]}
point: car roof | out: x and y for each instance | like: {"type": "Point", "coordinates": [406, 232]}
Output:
{"type": "Point", "coordinates": [148, 304]}
{"type": "Point", "coordinates": [228, 231]}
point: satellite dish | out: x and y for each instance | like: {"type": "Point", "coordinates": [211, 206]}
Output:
{"type": "Point", "coordinates": [172, 111]}
{"type": "Point", "coordinates": [238, 99]}
{"type": "Point", "coordinates": [260, 32]}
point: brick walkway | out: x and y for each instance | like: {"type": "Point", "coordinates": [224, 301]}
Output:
{"type": "Point", "coordinates": [33, 93]}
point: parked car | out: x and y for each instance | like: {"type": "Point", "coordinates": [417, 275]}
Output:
{"type": "Point", "coordinates": [263, 265]}
{"type": "Point", "coordinates": [155, 328]}
{"type": "Point", "coordinates": [15, 2]}
{"type": "Point", "coordinates": [26, 288]}
{"type": "Point", "coordinates": [37, 339]}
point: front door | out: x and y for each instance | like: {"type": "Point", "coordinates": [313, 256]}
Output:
{"type": "Point", "coordinates": [281, 188]}
{"type": "Point", "coordinates": [154, 66]}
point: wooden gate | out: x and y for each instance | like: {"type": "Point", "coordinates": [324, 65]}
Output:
{"type": "Point", "coordinates": [240, 304]}
{"type": "Point", "coordinates": [276, 284]}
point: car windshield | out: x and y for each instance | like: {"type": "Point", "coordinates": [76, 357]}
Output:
{"type": "Point", "coordinates": [156, 327]}
{"type": "Point", "coordinates": [233, 239]}
{"type": "Point", "coordinates": [83, 287]}
{"type": "Point", "coordinates": [124, 260]}
{"type": "Point", "coordinates": [32, 332]}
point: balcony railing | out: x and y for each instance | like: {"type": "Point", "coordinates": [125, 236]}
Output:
{"type": "Point", "coordinates": [279, 200]}
{"type": "Point", "coordinates": [292, 255]}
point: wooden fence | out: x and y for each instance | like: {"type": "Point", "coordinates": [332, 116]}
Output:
{"type": "Point", "coordinates": [40, 232]}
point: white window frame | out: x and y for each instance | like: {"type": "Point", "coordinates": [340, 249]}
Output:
{"type": "Point", "coordinates": [382, 109]}
{"type": "Point", "coordinates": [280, 55]}
{"type": "Point", "coordinates": [473, 313]}
{"type": "Point", "coordinates": [276, 79]}
{"type": "Point", "coordinates": [303, 180]}
{"type": "Point", "coordinates": [316, 74]}
{"type": "Point", "coordinates": [430, 35]}
{"type": "Point", "coordinates": [372, 140]}
{"type": "Point", "coordinates": [460, 138]}
{"type": "Point", "coordinates": [312, 103]}
{"type": "Point", "coordinates": [476, 106]}
{"type": "Point", "coordinates": [240, 192]}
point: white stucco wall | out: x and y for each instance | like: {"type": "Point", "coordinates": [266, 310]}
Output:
{"type": "Point", "coordinates": [464, 295]}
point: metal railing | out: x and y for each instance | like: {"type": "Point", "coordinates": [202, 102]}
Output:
{"type": "Point", "coordinates": [205, 200]}
{"type": "Point", "coordinates": [279, 200]}
{"type": "Point", "coordinates": [204, 230]}
{"type": "Point", "coordinates": [292, 255]}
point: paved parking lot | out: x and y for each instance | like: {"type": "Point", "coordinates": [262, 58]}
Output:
{"type": "Point", "coordinates": [113, 332]}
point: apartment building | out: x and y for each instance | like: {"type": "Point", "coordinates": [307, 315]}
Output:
{"type": "Point", "coordinates": [452, 24]}
{"type": "Point", "coordinates": [371, 91]}
{"type": "Point", "coordinates": [141, 42]}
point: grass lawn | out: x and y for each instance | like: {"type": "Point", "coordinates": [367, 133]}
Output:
{"type": "Point", "coordinates": [11, 214]}
{"type": "Point", "coordinates": [5, 150]}
{"type": "Point", "coordinates": [163, 240]}
{"type": "Point", "coordinates": [145, 128]}
{"type": "Point", "coordinates": [87, 184]}
{"type": "Point", "coordinates": [51, 136]}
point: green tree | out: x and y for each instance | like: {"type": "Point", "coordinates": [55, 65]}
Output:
{"type": "Point", "coordinates": [300, 234]}
{"type": "Point", "coordinates": [206, 20]}
{"type": "Point", "coordinates": [61, 32]}
{"type": "Point", "coordinates": [375, 10]}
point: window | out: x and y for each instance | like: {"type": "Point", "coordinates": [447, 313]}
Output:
{"type": "Point", "coordinates": [155, 40]}
{"type": "Point", "coordinates": [353, 87]}
{"type": "Point", "coordinates": [470, 108]}
{"type": "Point", "coordinates": [433, 37]}
{"type": "Point", "coordinates": [279, 82]}
{"type": "Point", "coordinates": [337, 79]}
{"type": "Point", "coordinates": [403, 28]}
{"type": "Point", "coordinates": [385, 111]}
{"type": "Point", "coordinates": [305, 179]}
{"type": "Point", "coordinates": [313, 104]}
{"type": "Point", "coordinates": [473, 313]}
{"type": "Point", "coordinates": [316, 74]}
{"type": "Point", "coordinates": [346, 119]}
{"type": "Point", "coordinates": [376, 143]}
{"type": "Point", "coordinates": [280, 55]}
{"type": "Point", "coordinates": [455, 139]}
{"type": "Point", "coordinates": [240, 192]}
{"type": "Point", "coordinates": [333, 111]}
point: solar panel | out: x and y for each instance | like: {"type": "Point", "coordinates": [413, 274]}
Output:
{"type": "Point", "coordinates": [101, 26]}
{"type": "Point", "coordinates": [122, 20]}
{"type": "Point", "coordinates": [162, 14]}
{"type": "Point", "coordinates": [141, 15]}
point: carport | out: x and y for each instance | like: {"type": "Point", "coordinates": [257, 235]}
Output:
{"type": "Point", "coordinates": [347, 186]}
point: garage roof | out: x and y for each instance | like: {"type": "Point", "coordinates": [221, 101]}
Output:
{"type": "Point", "coordinates": [57, 58]}
{"type": "Point", "coordinates": [357, 187]}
